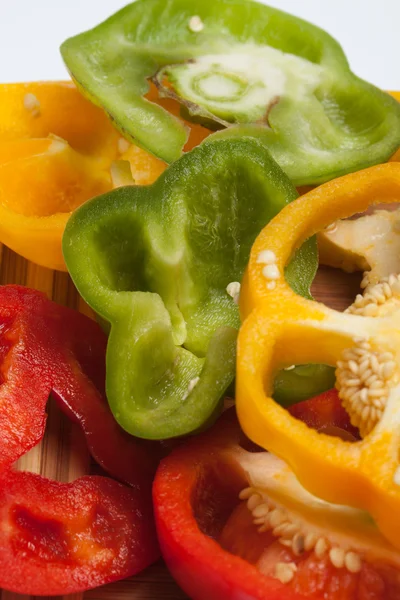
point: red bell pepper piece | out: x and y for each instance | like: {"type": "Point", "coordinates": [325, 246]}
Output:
{"type": "Point", "coordinates": [195, 489]}
{"type": "Point", "coordinates": [326, 413]}
{"type": "Point", "coordinates": [46, 348]}
{"type": "Point", "coordinates": [211, 545]}
{"type": "Point", "coordinates": [62, 538]}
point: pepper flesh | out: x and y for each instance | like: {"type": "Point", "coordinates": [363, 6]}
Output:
{"type": "Point", "coordinates": [49, 349]}
{"type": "Point", "coordinates": [56, 150]}
{"type": "Point", "coordinates": [196, 494]}
{"type": "Point", "coordinates": [64, 538]}
{"type": "Point", "coordinates": [282, 328]}
{"type": "Point", "coordinates": [157, 262]}
{"type": "Point", "coordinates": [253, 64]}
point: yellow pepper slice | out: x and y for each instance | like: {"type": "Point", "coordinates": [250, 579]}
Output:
{"type": "Point", "coordinates": [281, 329]}
{"type": "Point", "coordinates": [56, 151]}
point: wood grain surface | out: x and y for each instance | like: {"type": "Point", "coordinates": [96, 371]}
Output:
{"type": "Point", "coordinates": [62, 455]}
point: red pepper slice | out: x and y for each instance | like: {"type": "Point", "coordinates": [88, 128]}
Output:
{"type": "Point", "coordinates": [326, 413]}
{"type": "Point", "coordinates": [48, 348]}
{"type": "Point", "coordinates": [212, 549]}
{"type": "Point", "coordinates": [63, 538]}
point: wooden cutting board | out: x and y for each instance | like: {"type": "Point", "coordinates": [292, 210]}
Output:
{"type": "Point", "coordinates": [62, 455]}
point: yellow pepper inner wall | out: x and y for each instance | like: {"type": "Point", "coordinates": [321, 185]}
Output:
{"type": "Point", "coordinates": [56, 150]}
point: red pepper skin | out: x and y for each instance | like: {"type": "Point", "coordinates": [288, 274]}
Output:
{"type": "Point", "coordinates": [62, 538]}
{"type": "Point", "coordinates": [324, 410]}
{"type": "Point", "coordinates": [46, 348]}
{"type": "Point", "coordinates": [203, 569]}
{"type": "Point", "coordinates": [190, 512]}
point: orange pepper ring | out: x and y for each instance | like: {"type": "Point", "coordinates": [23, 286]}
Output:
{"type": "Point", "coordinates": [61, 111]}
{"type": "Point", "coordinates": [276, 321]}
{"type": "Point", "coordinates": [56, 182]}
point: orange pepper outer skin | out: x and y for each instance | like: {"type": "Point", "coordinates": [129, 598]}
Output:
{"type": "Point", "coordinates": [281, 329]}
{"type": "Point", "coordinates": [56, 149]}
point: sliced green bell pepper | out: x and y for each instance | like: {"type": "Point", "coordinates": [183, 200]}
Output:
{"type": "Point", "coordinates": [236, 61]}
{"type": "Point", "coordinates": [156, 262]}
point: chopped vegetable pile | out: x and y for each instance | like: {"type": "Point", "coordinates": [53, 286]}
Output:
{"type": "Point", "coordinates": [205, 160]}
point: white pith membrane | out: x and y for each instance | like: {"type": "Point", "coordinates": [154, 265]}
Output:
{"type": "Point", "coordinates": [239, 84]}
{"type": "Point", "coordinates": [370, 243]}
{"type": "Point", "coordinates": [304, 523]}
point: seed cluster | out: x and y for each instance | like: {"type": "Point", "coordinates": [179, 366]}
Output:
{"type": "Point", "coordinates": [363, 378]}
{"type": "Point", "coordinates": [375, 296]}
{"type": "Point", "coordinates": [270, 271]}
{"type": "Point", "coordinates": [365, 282]}
{"type": "Point", "coordinates": [268, 516]}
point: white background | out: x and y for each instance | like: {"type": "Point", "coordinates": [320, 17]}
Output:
{"type": "Point", "coordinates": [31, 32]}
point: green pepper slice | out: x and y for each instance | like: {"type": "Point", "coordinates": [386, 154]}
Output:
{"type": "Point", "coordinates": [156, 263]}
{"type": "Point", "coordinates": [232, 62]}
